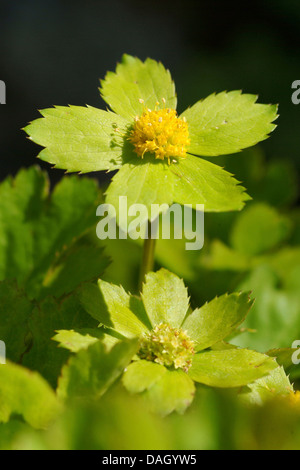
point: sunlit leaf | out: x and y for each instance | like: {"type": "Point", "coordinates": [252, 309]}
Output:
{"type": "Point", "coordinates": [91, 372]}
{"type": "Point", "coordinates": [134, 81]}
{"type": "Point", "coordinates": [80, 139]}
{"type": "Point", "coordinates": [142, 375]}
{"type": "Point", "coordinates": [259, 228]}
{"type": "Point", "coordinates": [27, 394]}
{"type": "Point", "coordinates": [217, 319]}
{"type": "Point", "coordinates": [165, 298]}
{"type": "Point", "coordinates": [174, 391]}
{"type": "Point", "coordinates": [230, 368]}
{"type": "Point", "coordinates": [112, 307]}
{"type": "Point", "coordinates": [226, 123]}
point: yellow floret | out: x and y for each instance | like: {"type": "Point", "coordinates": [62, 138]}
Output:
{"type": "Point", "coordinates": [162, 133]}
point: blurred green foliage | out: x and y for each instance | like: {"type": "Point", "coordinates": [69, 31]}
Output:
{"type": "Point", "coordinates": [257, 249]}
{"type": "Point", "coordinates": [121, 422]}
{"type": "Point", "coordinates": [221, 48]}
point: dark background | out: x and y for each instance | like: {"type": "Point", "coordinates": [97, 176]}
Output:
{"type": "Point", "coordinates": [54, 52]}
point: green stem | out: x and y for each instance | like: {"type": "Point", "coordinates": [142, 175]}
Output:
{"type": "Point", "coordinates": [148, 256]}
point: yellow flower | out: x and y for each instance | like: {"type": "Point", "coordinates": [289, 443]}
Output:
{"type": "Point", "coordinates": [160, 132]}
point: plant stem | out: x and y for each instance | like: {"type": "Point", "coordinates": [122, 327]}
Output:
{"type": "Point", "coordinates": [148, 255]}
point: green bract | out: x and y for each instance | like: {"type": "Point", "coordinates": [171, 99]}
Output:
{"type": "Point", "coordinates": [196, 354]}
{"type": "Point", "coordinates": [86, 139]}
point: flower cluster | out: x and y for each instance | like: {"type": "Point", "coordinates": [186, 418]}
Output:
{"type": "Point", "coordinates": [174, 346]}
{"type": "Point", "coordinates": [150, 144]}
{"type": "Point", "coordinates": [167, 346]}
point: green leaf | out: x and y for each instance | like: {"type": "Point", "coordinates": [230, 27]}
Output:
{"type": "Point", "coordinates": [26, 393]}
{"type": "Point", "coordinates": [165, 298]}
{"type": "Point", "coordinates": [111, 306]}
{"type": "Point", "coordinates": [275, 314]}
{"type": "Point", "coordinates": [125, 256]}
{"type": "Point", "coordinates": [283, 356]}
{"type": "Point", "coordinates": [39, 233]}
{"type": "Point", "coordinates": [47, 317]}
{"type": "Point", "coordinates": [142, 375]}
{"type": "Point", "coordinates": [91, 372]}
{"type": "Point", "coordinates": [189, 181]}
{"type": "Point", "coordinates": [10, 431]}
{"type": "Point", "coordinates": [222, 257]}
{"type": "Point", "coordinates": [174, 391]}
{"type": "Point", "coordinates": [146, 182]}
{"type": "Point", "coordinates": [27, 329]}
{"type": "Point", "coordinates": [172, 254]}
{"type": "Point", "coordinates": [75, 341]}
{"type": "Point", "coordinates": [259, 228]}
{"type": "Point", "coordinates": [83, 338]}
{"type": "Point", "coordinates": [217, 319]}
{"type": "Point", "coordinates": [135, 80]}
{"type": "Point", "coordinates": [280, 184]}
{"type": "Point", "coordinates": [285, 264]}
{"type": "Point", "coordinates": [230, 368]}
{"type": "Point", "coordinates": [22, 200]}
{"type": "Point", "coordinates": [201, 182]}
{"type": "Point", "coordinates": [226, 123]}
{"type": "Point", "coordinates": [81, 262]}
{"type": "Point", "coordinates": [276, 384]}
{"type": "Point", "coordinates": [15, 310]}
{"type": "Point", "coordinates": [80, 139]}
